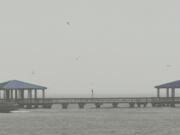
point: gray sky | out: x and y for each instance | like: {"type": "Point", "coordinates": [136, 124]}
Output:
{"type": "Point", "coordinates": [116, 47]}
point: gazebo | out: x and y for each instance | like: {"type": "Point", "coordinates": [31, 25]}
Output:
{"type": "Point", "coordinates": [168, 86]}
{"type": "Point", "coordinates": [17, 90]}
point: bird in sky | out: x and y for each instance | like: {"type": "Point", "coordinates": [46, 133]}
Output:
{"type": "Point", "coordinates": [77, 58]}
{"type": "Point", "coordinates": [168, 65]}
{"type": "Point", "coordinates": [68, 23]}
{"type": "Point", "coordinates": [33, 72]}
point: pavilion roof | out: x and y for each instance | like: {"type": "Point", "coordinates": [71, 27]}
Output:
{"type": "Point", "coordinates": [174, 84]}
{"type": "Point", "coordinates": [15, 84]}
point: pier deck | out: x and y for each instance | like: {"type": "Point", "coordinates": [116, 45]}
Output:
{"type": "Point", "coordinates": [132, 102]}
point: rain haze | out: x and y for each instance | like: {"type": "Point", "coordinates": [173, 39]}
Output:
{"type": "Point", "coordinates": [115, 47]}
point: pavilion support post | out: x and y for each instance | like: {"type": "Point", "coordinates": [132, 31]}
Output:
{"type": "Point", "coordinates": [1, 94]}
{"type": "Point", "coordinates": [4, 94]}
{"type": "Point", "coordinates": [29, 93]}
{"type": "Point", "coordinates": [19, 94]}
{"type": "Point", "coordinates": [11, 94]}
{"type": "Point", "coordinates": [7, 94]}
{"type": "Point", "coordinates": [43, 93]}
{"type": "Point", "coordinates": [22, 94]}
{"type": "Point", "coordinates": [158, 92]}
{"type": "Point", "coordinates": [167, 92]}
{"type": "Point", "coordinates": [16, 94]}
{"type": "Point", "coordinates": [173, 93]}
{"type": "Point", "coordinates": [35, 93]}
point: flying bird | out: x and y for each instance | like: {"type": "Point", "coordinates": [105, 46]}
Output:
{"type": "Point", "coordinates": [77, 58]}
{"type": "Point", "coordinates": [33, 72]}
{"type": "Point", "coordinates": [68, 23]}
{"type": "Point", "coordinates": [168, 65]}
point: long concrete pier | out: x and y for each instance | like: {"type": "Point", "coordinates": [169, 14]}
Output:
{"type": "Point", "coordinates": [28, 95]}
{"type": "Point", "coordinates": [98, 102]}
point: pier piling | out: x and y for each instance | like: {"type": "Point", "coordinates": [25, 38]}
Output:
{"type": "Point", "coordinates": [98, 105]}
{"type": "Point", "coordinates": [131, 105]}
{"type": "Point", "coordinates": [81, 105]}
{"type": "Point", "coordinates": [115, 105]}
{"type": "Point", "coordinates": [65, 105]}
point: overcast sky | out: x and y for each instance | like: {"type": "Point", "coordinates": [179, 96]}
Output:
{"type": "Point", "coordinates": [116, 47]}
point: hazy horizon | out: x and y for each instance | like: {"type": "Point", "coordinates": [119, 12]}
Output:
{"type": "Point", "coordinates": [117, 48]}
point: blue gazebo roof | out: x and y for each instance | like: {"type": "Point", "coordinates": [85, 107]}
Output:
{"type": "Point", "coordinates": [15, 84]}
{"type": "Point", "coordinates": [174, 84]}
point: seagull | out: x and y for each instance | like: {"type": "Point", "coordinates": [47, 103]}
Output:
{"type": "Point", "coordinates": [77, 58]}
{"type": "Point", "coordinates": [68, 23]}
{"type": "Point", "coordinates": [33, 72]}
{"type": "Point", "coordinates": [168, 65]}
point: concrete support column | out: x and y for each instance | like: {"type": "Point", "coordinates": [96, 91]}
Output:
{"type": "Point", "coordinates": [29, 106]}
{"type": "Point", "coordinates": [7, 94]}
{"type": "Point", "coordinates": [43, 93]}
{"type": "Point", "coordinates": [29, 93]}
{"type": "Point", "coordinates": [153, 104]}
{"type": "Point", "coordinates": [15, 94]}
{"type": "Point", "coordinates": [11, 94]}
{"type": "Point", "coordinates": [138, 105]}
{"type": "Point", "coordinates": [173, 93]}
{"type": "Point", "coordinates": [145, 104]}
{"type": "Point", "coordinates": [115, 105]}
{"type": "Point", "coordinates": [167, 92]}
{"type": "Point", "coordinates": [36, 106]}
{"type": "Point", "coordinates": [22, 94]}
{"type": "Point", "coordinates": [64, 105]}
{"type": "Point", "coordinates": [131, 104]}
{"type": "Point", "coordinates": [158, 92]}
{"type": "Point", "coordinates": [4, 94]}
{"type": "Point", "coordinates": [47, 106]}
{"type": "Point", "coordinates": [98, 105]}
{"type": "Point", "coordinates": [81, 105]}
{"type": "Point", "coordinates": [35, 93]}
{"type": "Point", "coordinates": [19, 94]}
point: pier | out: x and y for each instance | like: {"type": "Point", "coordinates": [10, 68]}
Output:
{"type": "Point", "coordinates": [98, 102]}
{"type": "Point", "coordinates": [26, 96]}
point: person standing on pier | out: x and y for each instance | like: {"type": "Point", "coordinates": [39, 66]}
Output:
{"type": "Point", "coordinates": [92, 93]}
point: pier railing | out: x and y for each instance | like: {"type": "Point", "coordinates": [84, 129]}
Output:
{"type": "Point", "coordinates": [92, 100]}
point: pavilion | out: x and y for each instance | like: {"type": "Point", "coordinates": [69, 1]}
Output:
{"type": "Point", "coordinates": [168, 86]}
{"type": "Point", "coordinates": [20, 90]}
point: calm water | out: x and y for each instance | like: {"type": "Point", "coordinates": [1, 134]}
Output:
{"type": "Point", "coordinates": [91, 121]}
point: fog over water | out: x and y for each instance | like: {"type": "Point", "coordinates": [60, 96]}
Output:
{"type": "Point", "coordinates": [117, 48]}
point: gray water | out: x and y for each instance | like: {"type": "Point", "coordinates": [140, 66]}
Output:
{"type": "Point", "coordinates": [91, 121]}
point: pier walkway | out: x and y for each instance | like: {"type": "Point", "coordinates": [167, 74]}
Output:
{"type": "Point", "coordinates": [131, 102]}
